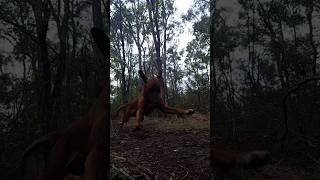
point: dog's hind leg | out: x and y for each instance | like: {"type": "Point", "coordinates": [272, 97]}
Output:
{"type": "Point", "coordinates": [125, 119]}
{"type": "Point", "coordinates": [171, 110]}
{"type": "Point", "coordinates": [139, 119]}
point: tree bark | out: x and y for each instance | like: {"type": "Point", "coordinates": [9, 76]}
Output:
{"type": "Point", "coordinates": [153, 17]}
{"type": "Point", "coordinates": [41, 12]}
{"type": "Point", "coordinates": [62, 26]}
{"type": "Point", "coordinates": [124, 89]}
{"type": "Point", "coordinates": [98, 23]}
{"type": "Point", "coordinates": [164, 54]}
{"type": "Point", "coordinates": [97, 14]}
{"type": "Point", "coordinates": [213, 82]}
{"type": "Point", "coordinates": [309, 11]}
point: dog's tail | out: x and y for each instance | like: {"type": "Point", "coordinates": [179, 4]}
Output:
{"type": "Point", "coordinates": [120, 108]}
{"type": "Point", "coordinates": [222, 160]}
{"type": "Point", "coordinates": [50, 140]}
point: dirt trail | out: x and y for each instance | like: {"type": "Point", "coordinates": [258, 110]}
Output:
{"type": "Point", "coordinates": [170, 148]}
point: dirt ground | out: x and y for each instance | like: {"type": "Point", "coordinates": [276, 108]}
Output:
{"type": "Point", "coordinates": [175, 148]}
{"type": "Point", "coordinates": [166, 148]}
{"type": "Point", "coordinates": [178, 148]}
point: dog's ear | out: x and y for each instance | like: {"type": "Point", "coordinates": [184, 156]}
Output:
{"type": "Point", "coordinates": [159, 75]}
{"type": "Point", "coordinates": [143, 76]}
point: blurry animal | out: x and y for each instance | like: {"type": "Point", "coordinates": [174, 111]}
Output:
{"type": "Point", "coordinates": [81, 148]}
{"type": "Point", "coordinates": [223, 161]}
{"type": "Point", "coordinates": [149, 98]}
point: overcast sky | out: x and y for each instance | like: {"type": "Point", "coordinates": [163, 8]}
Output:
{"type": "Point", "coordinates": [183, 38]}
{"type": "Point", "coordinates": [182, 8]}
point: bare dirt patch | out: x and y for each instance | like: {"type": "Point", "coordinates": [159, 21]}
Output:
{"type": "Point", "coordinates": [166, 148]}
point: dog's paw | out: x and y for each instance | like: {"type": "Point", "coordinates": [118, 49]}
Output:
{"type": "Point", "coordinates": [189, 111]}
{"type": "Point", "coordinates": [137, 128]}
{"type": "Point", "coordinates": [121, 125]}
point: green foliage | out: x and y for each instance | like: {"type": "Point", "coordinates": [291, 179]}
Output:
{"type": "Point", "coordinates": [131, 31]}
{"type": "Point", "coordinates": [197, 57]}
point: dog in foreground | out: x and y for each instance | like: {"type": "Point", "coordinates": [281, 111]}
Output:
{"type": "Point", "coordinates": [149, 99]}
{"type": "Point", "coordinates": [81, 148]}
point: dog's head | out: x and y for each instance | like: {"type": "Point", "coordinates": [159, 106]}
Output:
{"type": "Point", "coordinates": [154, 83]}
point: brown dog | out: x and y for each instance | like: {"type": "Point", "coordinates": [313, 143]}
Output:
{"type": "Point", "coordinates": [83, 144]}
{"type": "Point", "coordinates": [149, 98]}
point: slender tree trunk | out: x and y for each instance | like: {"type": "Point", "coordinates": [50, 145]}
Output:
{"type": "Point", "coordinates": [129, 72]}
{"type": "Point", "coordinates": [42, 14]}
{"type": "Point", "coordinates": [60, 74]}
{"type": "Point", "coordinates": [123, 67]}
{"type": "Point", "coordinates": [98, 23]}
{"type": "Point", "coordinates": [284, 60]}
{"type": "Point", "coordinates": [213, 81]}
{"type": "Point", "coordinates": [97, 14]}
{"type": "Point", "coordinates": [164, 54]}
{"type": "Point", "coordinates": [309, 12]}
{"type": "Point", "coordinates": [153, 17]}
{"type": "Point", "coordinates": [123, 62]}
{"type": "Point", "coordinates": [138, 41]}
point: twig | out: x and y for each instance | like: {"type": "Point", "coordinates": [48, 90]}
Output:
{"type": "Point", "coordinates": [186, 175]}
{"type": "Point", "coordinates": [147, 176]}
{"type": "Point", "coordinates": [123, 172]}
{"type": "Point", "coordinates": [118, 157]}
{"type": "Point", "coordinates": [142, 170]}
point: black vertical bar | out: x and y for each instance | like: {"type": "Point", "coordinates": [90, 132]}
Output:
{"type": "Point", "coordinates": [107, 7]}
{"type": "Point", "coordinates": [212, 78]}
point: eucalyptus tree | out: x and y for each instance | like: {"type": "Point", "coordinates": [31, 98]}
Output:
{"type": "Point", "coordinates": [197, 52]}
{"type": "Point", "coordinates": [174, 76]}
{"type": "Point", "coordinates": [121, 41]}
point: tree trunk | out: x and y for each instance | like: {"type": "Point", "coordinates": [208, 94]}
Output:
{"type": "Point", "coordinates": [42, 14]}
{"type": "Point", "coordinates": [123, 66]}
{"type": "Point", "coordinates": [98, 23]}
{"type": "Point", "coordinates": [138, 41]}
{"type": "Point", "coordinates": [164, 54]}
{"type": "Point", "coordinates": [309, 12]}
{"type": "Point", "coordinates": [164, 61]}
{"type": "Point", "coordinates": [153, 17]}
{"type": "Point", "coordinates": [213, 81]}
{"type": "Point", "coordinates": [97, 14]}
{"type": "Point", "coordinates": [60, 74]}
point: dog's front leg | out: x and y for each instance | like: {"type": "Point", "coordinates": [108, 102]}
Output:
{"type": "Point", "coordinates": [139, 113]}
{"type": "Point", "coordinates": [139, 117]}
{"type": "Point", "coordinates": [172, 110]}
{"type": "Point", "coordinates": [126, 116]}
